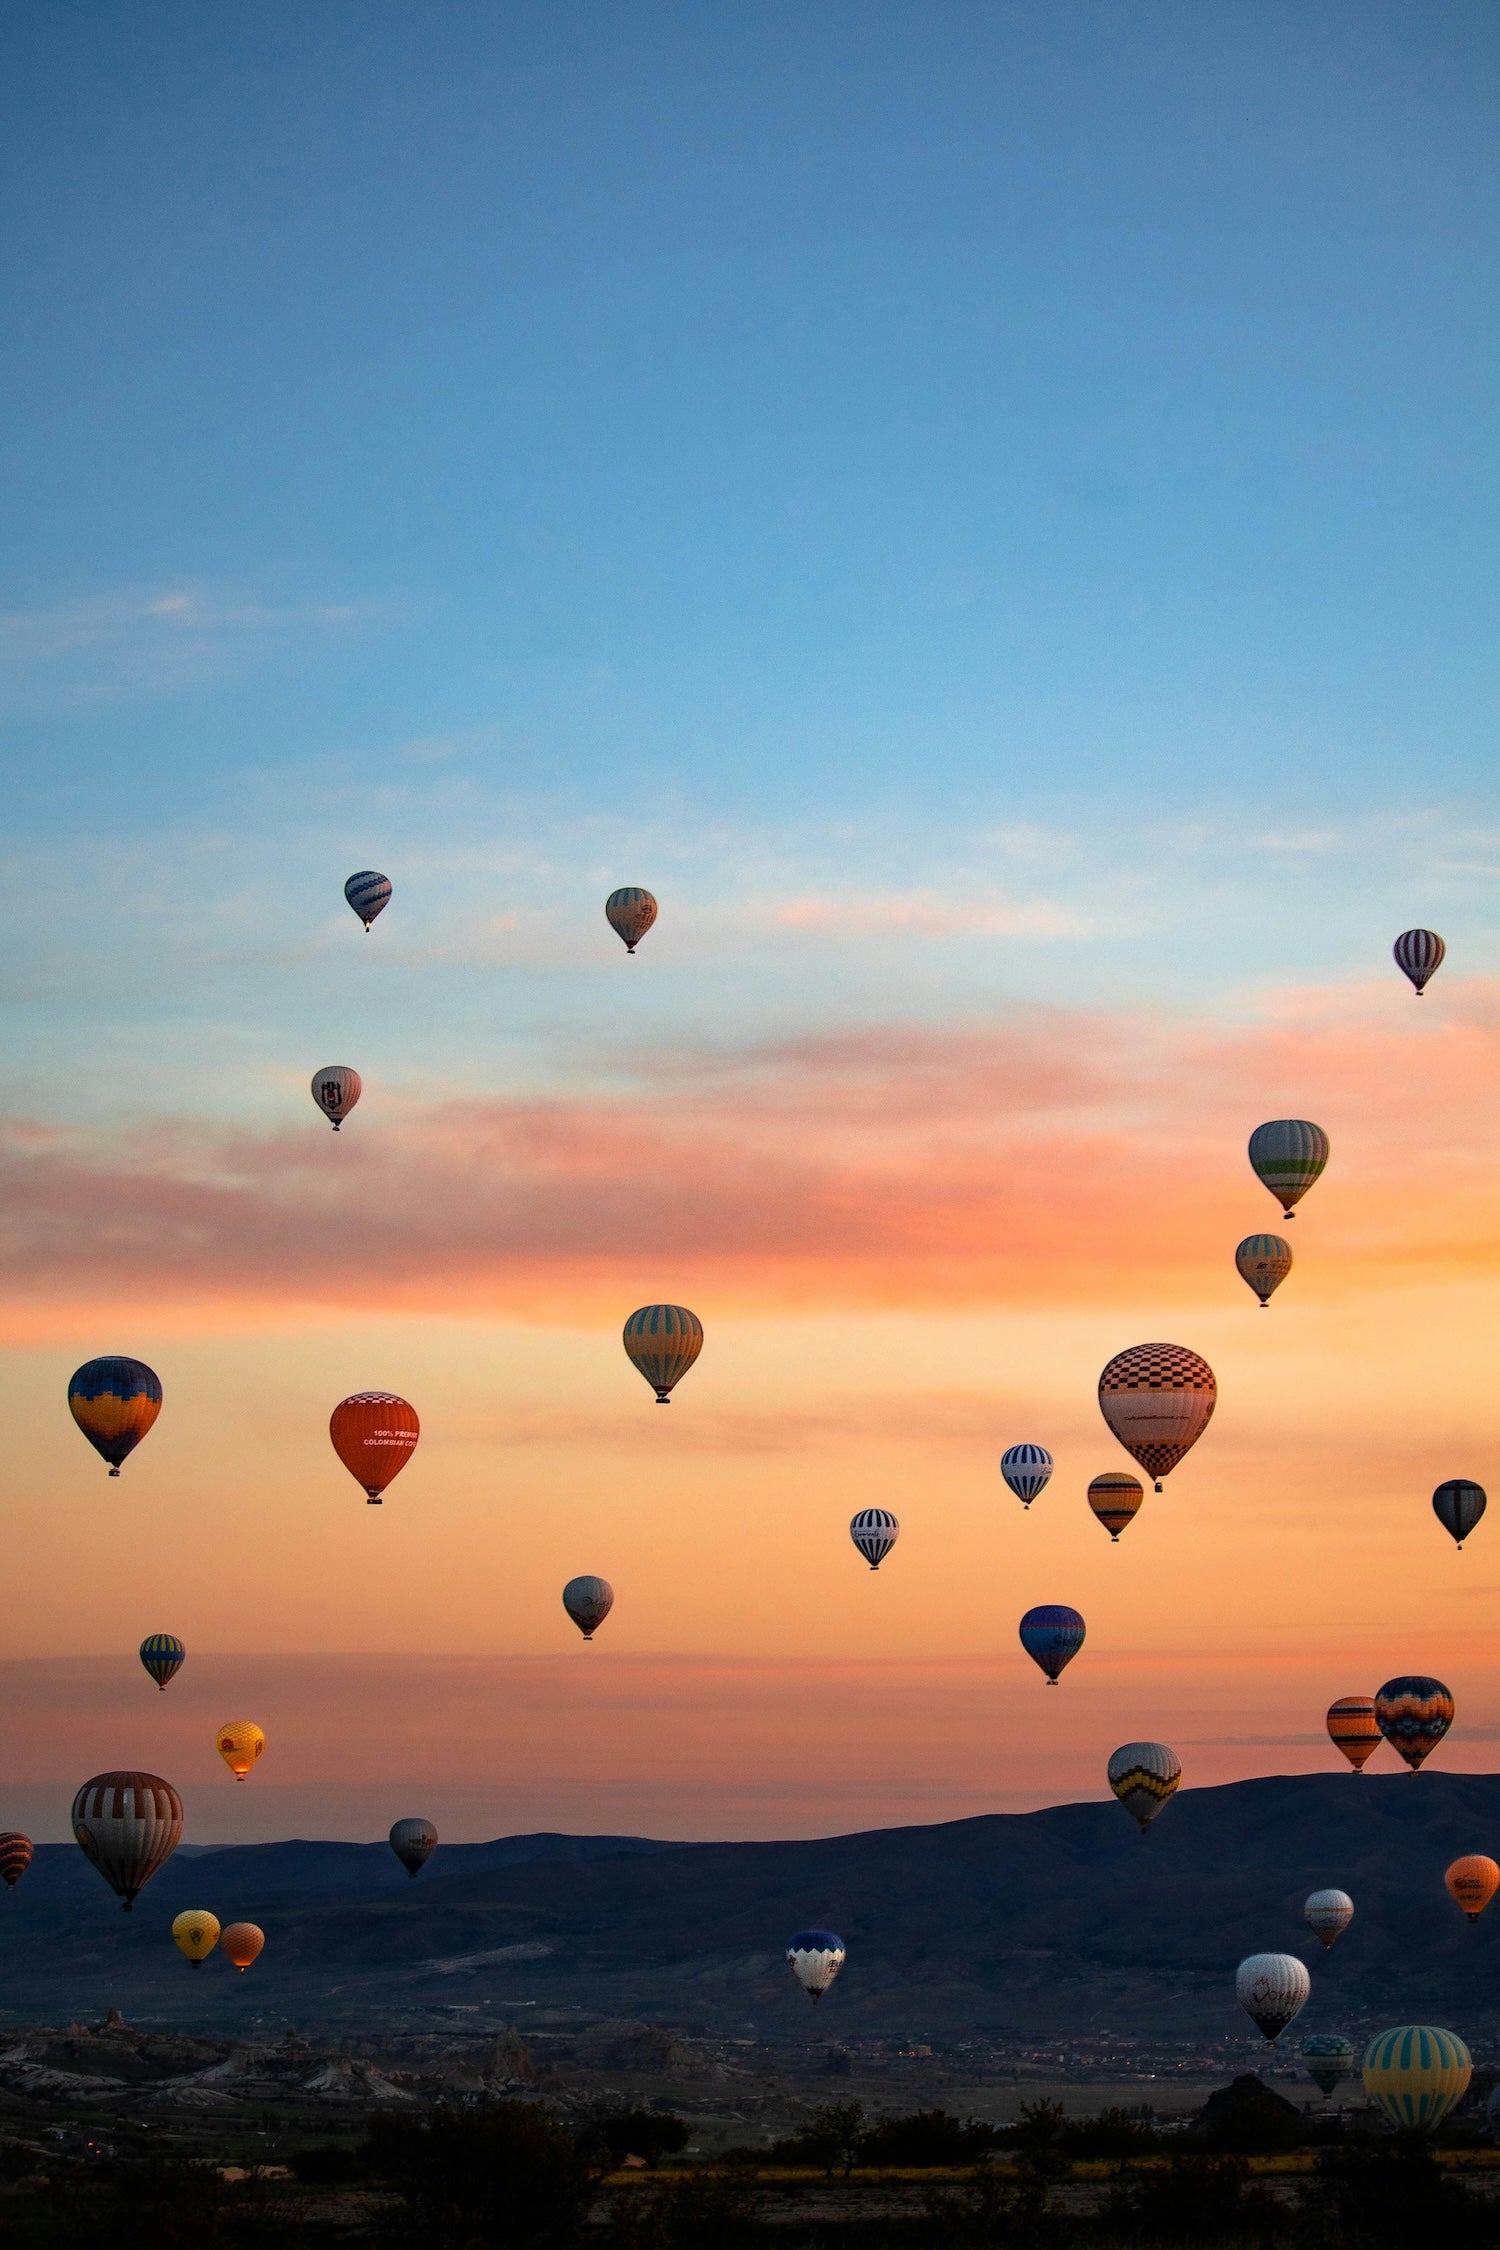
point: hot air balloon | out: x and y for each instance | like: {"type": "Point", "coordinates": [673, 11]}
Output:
{"type": "Point", "coordinates": [1144, 1776]}
{"type": "Point", "coordinates": [1329, 1914]}
{"type": "Point", "coordinates": [1417, 2073]}
{"type": "Point", "coordinates": [1158, 1400]}
{"type": "Point", "coordinates": [239, 1743]}
{"type": "Point", "coordinates": [1472, 1882]}
{"type": "Point", "coordinates": [1272, 1989]}
{"type": "Point", "coordinates": [114, 1402]}
{"type": "Point", "coordinates": [1114, 1498]}
{"type": "Point", "coordinates": [588, 1601]}
{"type": "Point", "coordinates": [816, 1957]}
{"type": "Point", "coordinates": [163, 1656]}
{"type": "Point", "coordinates": [1287, 1156]}
{"type": "Point", "coordinates": [1328, 2058]}
{"type": "Point", "coordinates": [1414, 1714]}
{"type": "Point", "coordinates": [374, 1434]}
{"type": "Point", "coordinates": [1264, 1261]}
{"type": "Point", "coordinates": [1026, 1469]}
{"type": "Point", "coordinates": [336, 1088]}
{"type": "Point", "coordinates": [630, 914]}
{"type": "Point", "coordinates": [369, 894]}
{"type": "Point", "coordinates": [244, 1943]}
{"type": "Point", "coordinates": [195, 1934]}
{"type": "Point", "coordinates": [662, 1341]}
{"type": "Point", "coordinates": [1458, 1505]}
{"type": "Point", "coordinates": [129, 1825]}
{"type": "Point", "coordinates": [1352, 1728]}
{"type": "Point", "coordinates": [1419, 955]}
{"type": "Point", "coordinates": [414, 1842]}
{"type": "Point", "coordinates": [15, 1857]}
{"type": "Point", "coordinates": [1052, 1635]}
{"type": "Point", "coordinates": [874, 1532]}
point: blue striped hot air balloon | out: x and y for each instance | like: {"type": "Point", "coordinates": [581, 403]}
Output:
{"type": "Point", "coordinates": [369, 894]}
{"type": "Point", "coordinates": [1417, 2073]}
{"type": "Point", "coordinates": [874, 1532]}
{"type": "Point", "coordinates": [163, 1656]}
{"type": "Point", "coordinates": [1052, 1635]}
{"type": "Point", "coordinates": [1026, 1469]}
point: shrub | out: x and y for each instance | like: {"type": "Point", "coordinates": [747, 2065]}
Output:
{"type": "Point", "coordinates": [507, 2173]}
{"type": "Point", "coordinates": [928, 2137]}
{"type": "Point", "coordinates": [646, 2133]}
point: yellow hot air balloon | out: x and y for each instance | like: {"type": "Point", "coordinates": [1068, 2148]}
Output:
{"type": "Point", "coordinates": [239, 1743]}
{"type": "Point", "coordinates": [243, 1942]}
{"type": "Point", "coordinates": [662, 1341]}
{"type": "Point", "coordinates": [1417, 2073]}
{"type": "Point", "coordinates": [195, 1934]}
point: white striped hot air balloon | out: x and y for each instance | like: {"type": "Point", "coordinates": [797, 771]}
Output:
{"type": "Point", "coordinates": [1419, 955]}
{"type": "Point", "coordinates": [874, 1532]}
{"type": "Point", "coordinates": [662, 1342]}
{"type": "Point", "coordinates": [129, 1825]}
{"type": "Point", "coordinates": [1026, 1469]}
{"type": "Point", "coordinates": [1328, 1914]}
{"type": "Point", "coordinates": [1263, 1262]}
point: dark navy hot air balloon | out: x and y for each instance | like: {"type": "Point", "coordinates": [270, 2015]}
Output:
{"type": "Point", "coordinates": [1419, 955]}
{"type": "Point", "coordinates": [1458, 1505]}
{"type": "Point", "coordinates": [369, 894]}
{"type": "Point", "coordinates": [114, 1401]}
{"type": "Point", "coordinates": [1052, 1635]}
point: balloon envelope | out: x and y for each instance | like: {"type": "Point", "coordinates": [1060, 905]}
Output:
{"type": "Point", "coordinates": [1287, 1156]}
{"type": "Point", "coordinates": [163, 1655]}
{"type": "Point", "coordinates": [1272, 1989]}
{"type": "Point", "coordinates": [1417, 2073]}
{"type": "Point", "coordinates": [1052, 1634]}
{"type": "Point", "coordinates": [662, 1341]}
{"type": "Point", "coordinates": [114, 1401]}
{"type": "Point", "coordinates": [195, 1934]}
{"type": "Point", "coordinates": [1472, 1882]}
{"type": "Point", "coordinates": [630, 914]}
{"type": "Point", "coordinates": [1158, 1400]}
{"type": "Point", "coordinates": [1419, 954]}
{"type": "Point", "coordinates": [15, 1857]}
{"type": "Point", "coordinates": [1414, 1713]}
{"type": "Point", "coordinates": [1352, 1728]}
{"type": "Point", "coordinates": [240, 1744]}
{"type": "Point", "coordinates": [128, 1825]}
{"type": "Point", "coordinates": [1328, 2058]}
{"type": "Point", "coordinates": [1114, 1498]}
{"type": "Point", "coordinates": [414, 1842]}
{"type": "Point", "coordinates": [874, 1532]}
{"type": "Point", "coordinates": [368, 893]}
{"type": "Point", "coordinates": [1264, 1261]}
{"type": "Point", "coordinates": [1458, 1505]}
{"type": "Point", "coordinates": [588, 1601]}
{"type": "Point", "coordinates": [374, 1434]}
{"type": "Point", "coordinates": [1329, 1914]}
{"type": "Point", "coordinates": [1026, 1469]}
{"type": "Point", "coordinates": [1144, 1776]}
{"type": "Point", "coordinates": [816, 1957]}
{"type": "Point", "coordinates": [244, 1942]}
{"type": "Point", "coordinates": [336, 1088]}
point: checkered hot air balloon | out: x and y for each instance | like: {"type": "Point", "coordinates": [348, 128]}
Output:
{"type": "Point", "coordinates": [630, 914]}
{"type": "Point", "coordinates": [1419, 955]}
{"type": "Point", "coordinates": [163, 1655]}
{"type": "Point", "coordinates": [1026, 1469]}
{"type": "Point", "coordinates": [1158, 1400]}
{"type": "Point", "coordinates": [662, 1342]}
{"type": "Point", "coordinates": [874, 1532]}
{"type": "Point", "coordinates": [369, 894]}
{"type": "Point", "coordinates": [1413, 1712]}
{"type": "Point", "coordinates": [1287, 1156]}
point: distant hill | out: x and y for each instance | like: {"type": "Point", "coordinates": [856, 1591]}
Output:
{"type": "Point", "coordinates": [1055, 1922]}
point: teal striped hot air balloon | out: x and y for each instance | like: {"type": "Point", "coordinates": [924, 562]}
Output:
{"type": "Point", "coordinates": [1287, 1156]}
{"type": "Point", "coordinates": [1263, 1261]}
{"type": "Point", "coordinates": [662, 1342]}
{"type": "Point", "coordinates": [1417, 2073]}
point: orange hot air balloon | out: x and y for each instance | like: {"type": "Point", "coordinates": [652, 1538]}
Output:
{"type": "Point", "coordinates": [1114, 1498]}
{"type": "Point", "coordinates": [243, 1943]}
{"type": "Point", "coordinates": [1352, 1728]}
{"type": "Point", "coordinates": [1472, 1883]}
{"type": "Point", "coordinates": [239, 1743]}
{"type": "Point", "coordinates": [374, 1434]}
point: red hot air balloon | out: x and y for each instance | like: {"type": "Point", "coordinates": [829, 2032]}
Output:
{"type": "Point", "coordinates": [15, 1857]}
{"type": "Point", "coordinates": [374, 1434]}
{"type": "Point", "coordinates": [129, 1825]}
{"type": "Point", "coordinates": [1158, 1400]}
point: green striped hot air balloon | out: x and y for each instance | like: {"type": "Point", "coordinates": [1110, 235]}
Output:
{"type": "Point", "coordinates": [662, 1342]}
{"type": "Point", "coordinates": [1287, 1156]}
{"type": "Point", "coordinates": [1417, 2073]}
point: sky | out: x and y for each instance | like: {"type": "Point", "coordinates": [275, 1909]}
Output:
{"type": "Point", "coordinates": [989, 513]}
